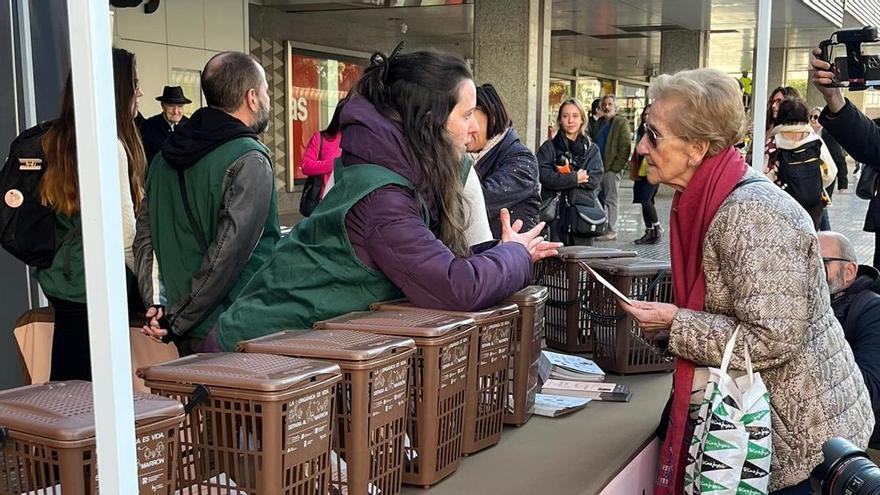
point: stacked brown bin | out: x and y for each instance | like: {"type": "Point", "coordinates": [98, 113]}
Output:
{"type": "Point", "coordinates": [487, 380]}
{"type": "Point", "coordinates": [47, 440]}
{"type": "Point", "coordinates": [371, 401]}
{"type": "Point", "coordinates": [568, 325]}
{"type": "Point", "coordinates": [619, 344]}
{"type": "Point", "coordinates": [525, 353]}
{"type": "Point", "coordinates": [257, 423]}
{"type": "Point", "coordinates": [439, 385]}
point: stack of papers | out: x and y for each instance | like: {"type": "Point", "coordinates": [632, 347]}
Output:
{"type": "Point", "coordinates": [596, 391]}
{"type": "Point", "coordinates": [554, 365]}
{"type": "Point", "coordinates": [557, 405]}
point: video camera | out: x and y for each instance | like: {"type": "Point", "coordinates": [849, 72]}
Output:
{"type": "Point", "coordinates": [855, 71]}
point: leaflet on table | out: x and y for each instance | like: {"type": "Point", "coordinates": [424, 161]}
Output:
{"type": "Point", "coordinates": [557, 405]}
{"type": "Point", "coordinates": [572, 367]}
{"type": "Point", "coordinates": [595, 390]}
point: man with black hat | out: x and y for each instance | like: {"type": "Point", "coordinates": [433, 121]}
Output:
{"type": "Point", "coordinates": [157, 128]}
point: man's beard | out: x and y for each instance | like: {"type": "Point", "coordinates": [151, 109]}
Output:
{"type": "Point", "coordinates": [262, 122]}
{"type": "Point", "coordinates": [835, 284]}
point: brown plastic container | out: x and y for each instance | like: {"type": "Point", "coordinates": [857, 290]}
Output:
{"type": "Point", "coordinates": [487, 381]}
{"type": "Point", "coordinates": [258, 424]}
{"type": "Point", "coordinates": [568, 325]}
{"type": "Point", "coordinates": [525, 353]}
{"type": "Point", "coordinates": [438, 390]}
{"type": "Point", "coordinates": [370, 402]}
{"type": "Point", "coordinates": [619, 343]}
{"type": "Point", "coordinates": [48, 442]}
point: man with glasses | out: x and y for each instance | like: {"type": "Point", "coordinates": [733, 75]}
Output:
{"type": "Point", "coordinates": [856, 305]}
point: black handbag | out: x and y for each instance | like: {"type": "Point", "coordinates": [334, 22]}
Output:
{"type": "Point", "coordinates": [586, 221]}
{"type": "Point", "coordinates": [311, 194]}
{"type": "Point", "coordinates": [549, 208]}
{"type": "Point", "coordinates": [867, 186]}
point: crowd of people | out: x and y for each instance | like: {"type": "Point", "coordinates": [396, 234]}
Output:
{"type": "Point", "coordinates": [427, 192]}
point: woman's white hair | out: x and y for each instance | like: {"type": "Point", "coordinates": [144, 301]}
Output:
{"type": "Point", "coordinates": [709, 106]}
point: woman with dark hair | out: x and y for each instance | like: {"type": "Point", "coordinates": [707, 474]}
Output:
{"type": "Point", "coordinates": [64, 281]}
{"type": "Point", "coordinates": [394, 223]}
{"type": "Point", "coordinates": [793, 139]}
{"type": "Point", "coordinates": [595, 118]}
{"type": "Point", "coordinates": [780, 94]}
{"type": "Point", "coordinates": [644, 191]}
{"type": "Point", "coordinates": [508, 171]}
{"type": "Point", "coordinates": [323, 150]}
{"type": "Point", "coordinates": [571, 171]}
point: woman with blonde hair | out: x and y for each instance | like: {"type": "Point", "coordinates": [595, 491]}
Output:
{"type": "Point", "coordinates": [744, 256]}
{"type": "Point", "coordinates": [571, 172]}
{"type": "Point", "coordinates": [64, 281]}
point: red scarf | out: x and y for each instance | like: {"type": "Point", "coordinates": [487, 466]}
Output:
{"type": "Point", "coordinates": [692, 212]}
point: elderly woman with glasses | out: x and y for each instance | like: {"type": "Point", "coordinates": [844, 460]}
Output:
{"type": "Point", "coordinates": [744, 254]}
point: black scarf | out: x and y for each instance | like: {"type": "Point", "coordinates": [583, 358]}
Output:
{"type": "Point", "coordinates": [208, 129]}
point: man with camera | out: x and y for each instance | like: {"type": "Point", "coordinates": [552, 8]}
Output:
{"type": "Point", "coordinates": [856, 305]}
{"type": "Point", "coordinates": [856, 133]}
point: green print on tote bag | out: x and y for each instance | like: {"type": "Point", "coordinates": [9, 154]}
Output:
{"type": "Point", "coordinates": [731, 448]}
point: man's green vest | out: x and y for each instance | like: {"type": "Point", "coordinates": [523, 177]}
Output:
{"type": "Point", "coordinates": [314, 273]}
{"type": "Point", "coordinates": [174, 243]}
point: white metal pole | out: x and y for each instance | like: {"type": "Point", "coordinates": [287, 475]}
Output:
{"type": "Point", "coordinates": [759, 82]}
{"type": "Point", "coordinates": [92, 66]}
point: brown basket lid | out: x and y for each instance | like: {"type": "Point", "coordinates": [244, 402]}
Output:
{"type": "Point", "coordinates": [477, 316]}
{"type": "Point", "coordinates": [251, 372]}
{"type": "Point", "coordinates": [631, 266]}
{"type": "Point", "coordinates": [64, 411]}
{"type": "Point", "coordinates": [424, 324]}
{"type": "Point", "coordinates": [574, 253]}
{"type": "Point", "coordinates": [530, 296]}
{"type": "Point", "coordinates": [342, 345]}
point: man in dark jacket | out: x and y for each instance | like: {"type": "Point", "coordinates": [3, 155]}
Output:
{"type": "Point", "coordinates": [156, 130]}
{"type": "Point", "coordinates": [856, 305]}
{"type": "Point", "coordinates": [856, 133]}
{"type": "Point", "coordinates": [209, 219]}
{"type": "Point", "coordinates": [614, 139]}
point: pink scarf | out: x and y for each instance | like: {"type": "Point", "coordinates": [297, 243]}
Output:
{"type": "Point", "coordinates": [692, 213]}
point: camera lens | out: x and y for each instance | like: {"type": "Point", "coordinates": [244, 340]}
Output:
{"type": "Point", "coordinates": [846, 470]}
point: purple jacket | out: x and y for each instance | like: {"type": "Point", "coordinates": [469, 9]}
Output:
{"type": "Point", "coordinates": [388, 232]}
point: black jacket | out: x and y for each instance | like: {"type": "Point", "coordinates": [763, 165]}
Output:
{"type": "Point", "coordinates": [862, 332]}
{"type": "Point", "coordinates": [860, 137]}
{"type": "Point", "coordinates": [154, 131]}
{"type": "Point", "coordinates": [510, 179]}
{"type": "Point", "coordinates": [585, 155]}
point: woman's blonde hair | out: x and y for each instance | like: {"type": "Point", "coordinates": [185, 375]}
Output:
{"type": "Point", "coordinates": [577, 103]}
{"type": "Point", "coordinates": [709, 106]}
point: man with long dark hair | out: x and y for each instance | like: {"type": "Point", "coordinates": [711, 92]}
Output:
{"type": "Point", "coordinates": [210, 218]}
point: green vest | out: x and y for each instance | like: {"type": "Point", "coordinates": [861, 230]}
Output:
{"type": "Point", "coordinates": [65, 278]}
{"type": "Point", "coordinates": [314, 273]}
{"type": "Point", "coordinates": [174, 242]}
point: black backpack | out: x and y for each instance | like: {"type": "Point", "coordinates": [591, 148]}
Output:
{"type": "Point", "coordinates": [800, 173]}
{"type": "Point", "coordinates": [27, 228]}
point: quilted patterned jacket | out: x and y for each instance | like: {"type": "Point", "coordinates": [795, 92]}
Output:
{"type": "Point", "coordinates": [763, 271]}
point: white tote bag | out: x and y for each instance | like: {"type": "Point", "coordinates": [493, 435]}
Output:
{"type": "Point", "coordinates": [731, 446]}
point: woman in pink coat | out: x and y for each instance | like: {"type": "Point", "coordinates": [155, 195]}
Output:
{"type": "Point", "coordinates": [322, 151]}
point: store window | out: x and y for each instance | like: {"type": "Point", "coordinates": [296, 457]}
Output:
{"type": "Point", "coordinates": [317, 84]}
{"type": "Point", "coordinates": [630, 103]}
{"type": "Point", "coordinates": [560, 90]}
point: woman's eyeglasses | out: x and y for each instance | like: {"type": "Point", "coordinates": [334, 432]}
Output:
{"type": "Point", "coordinates": [653, 137]}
